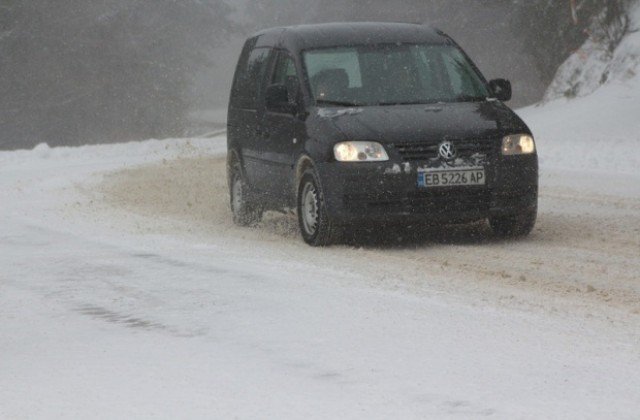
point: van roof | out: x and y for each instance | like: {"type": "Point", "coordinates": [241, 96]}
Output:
{"type": "Point", "coordinates": [323, 35]}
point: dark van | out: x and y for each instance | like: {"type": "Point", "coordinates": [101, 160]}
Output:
{"type": "Point", "coordinates": [354, 123]}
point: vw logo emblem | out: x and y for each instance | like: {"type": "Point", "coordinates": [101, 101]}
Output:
{"type": "Point", "coordinates": [447, 150]}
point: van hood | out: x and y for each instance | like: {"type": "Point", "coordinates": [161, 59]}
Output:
{"type": "Point", "coordinates": [424, 122]}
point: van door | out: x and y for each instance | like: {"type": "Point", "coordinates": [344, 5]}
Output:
{"type": "Point", "coordinates": [282, 128]}
{"type": "Point", "coordinates": [246, 110]}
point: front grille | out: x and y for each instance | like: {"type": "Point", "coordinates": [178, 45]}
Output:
{"type": "Point", "coordinates": [441, 200]}
{"type": "Point", "coordinates": [436, 201]}
{"type": "Point", "coordinates": [418, 151]}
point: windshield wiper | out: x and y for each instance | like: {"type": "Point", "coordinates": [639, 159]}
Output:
{"type": "Point", "coordinates": [469, 98]}
{"type": "Point", "coordinates": [332, 102]}
{"type": "Point", "coordinates": [414, 102]}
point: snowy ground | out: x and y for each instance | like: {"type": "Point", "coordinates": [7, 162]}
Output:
{"type": "Point", "coordinates": [127, 292]}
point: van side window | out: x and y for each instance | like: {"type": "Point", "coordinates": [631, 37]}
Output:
{"type": "Point", "coordinates": [285, 67]}
{"type": "Point", "coordinates": [249, 79]}
{"type": "Point", "coordinates": [285, 74]}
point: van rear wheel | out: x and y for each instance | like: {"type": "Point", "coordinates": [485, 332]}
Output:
{"type": "Point", "coordinates": [244, 207]}
{"type": "Point", "coordinates": [316, 227]}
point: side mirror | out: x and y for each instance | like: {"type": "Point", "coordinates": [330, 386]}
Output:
{"type": "Point", "coordinates": [501, 89]}
{"type": "Point", "coordinates": [277, 99]}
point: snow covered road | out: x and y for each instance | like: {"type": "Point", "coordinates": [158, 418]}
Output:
{"type": "Point", "coordinates": [585, 246]}
{"type": "Point", "coordinates": [127, 292]}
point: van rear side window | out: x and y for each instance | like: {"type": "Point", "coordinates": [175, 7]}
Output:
{"type": "Point", "coordinates": [249, 79]}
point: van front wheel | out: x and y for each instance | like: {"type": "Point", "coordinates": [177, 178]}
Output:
{"type": "Point", "coordinates": [316, 227]}
{"type": "Point", "coordinates": [513, 226]}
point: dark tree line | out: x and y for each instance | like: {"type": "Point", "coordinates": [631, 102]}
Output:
{"type": "Point", "coordinates": [96, 71]}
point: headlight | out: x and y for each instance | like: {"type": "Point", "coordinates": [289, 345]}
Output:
{"type": "Point", "coordinates": [518, 144]}
{"type": "Point", "coordinates": [359, 151]}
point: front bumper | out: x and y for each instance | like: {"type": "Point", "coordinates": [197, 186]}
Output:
{"type": "Point", "coordinates": [388, 191]}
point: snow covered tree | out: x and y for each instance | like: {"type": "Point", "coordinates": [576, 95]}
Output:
{"type": "Point", "coordinates": [554, 29]}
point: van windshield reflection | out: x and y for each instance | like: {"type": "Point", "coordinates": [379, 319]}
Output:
{"type": "Point", "coordinates": [392, 74]}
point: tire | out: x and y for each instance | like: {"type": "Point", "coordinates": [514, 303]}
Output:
{"type": "Point", "coordinates": [316, 226]}
{"type": "Point", "coordinates": [513, 226]}
{"type": "Point", "coordinates": [246, 210]}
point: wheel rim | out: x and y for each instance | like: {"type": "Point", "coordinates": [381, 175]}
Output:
{"type": "Point", "coordinates": [236, 192]}
{"type": "Point", "coordinates": [309, 208]}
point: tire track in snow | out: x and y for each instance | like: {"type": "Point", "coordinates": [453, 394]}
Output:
{"type": "Point", "coordinates": [585, 248]}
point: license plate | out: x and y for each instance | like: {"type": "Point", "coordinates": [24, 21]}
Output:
{"type": "Point", "coordinates": [450, 177]}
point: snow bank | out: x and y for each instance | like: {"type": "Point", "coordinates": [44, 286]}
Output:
{"type": "Point", "coordinates": [595, 126]}
{"type": "Point", "coordinates": [599, 133]}
{"type": "Point", "coordinates": [121, 154]}
{"type": "Point", "coordinates": [593, 65]}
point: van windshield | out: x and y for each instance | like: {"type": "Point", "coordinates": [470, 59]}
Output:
{"type": "Point", "coordinates": [392, 74]}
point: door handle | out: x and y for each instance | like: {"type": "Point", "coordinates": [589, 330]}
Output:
{"type": "Point", "coordinates": [262, 132]}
